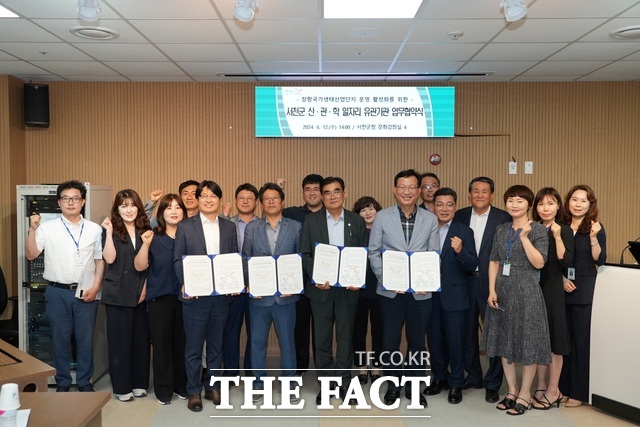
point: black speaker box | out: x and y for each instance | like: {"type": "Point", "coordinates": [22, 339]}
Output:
{"type": "Point", "coordinates": [36, 105]}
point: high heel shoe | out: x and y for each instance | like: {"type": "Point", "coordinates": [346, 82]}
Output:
{"type": "Point", "coordinates": [519, 408]}
{"type": "Point", "coordinates": [535, 399]}
{"type": "Point", "coordinates": [546, 403]}
{"type": "Point", "coordinates": [507, 402]}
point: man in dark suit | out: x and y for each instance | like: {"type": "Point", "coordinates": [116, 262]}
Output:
{"type": "Point", "coordinates": [304, 320]}
{"type": "Point", "coordinates": [272, 235]}
{"type": "Point", "coordinates": [204, 317]}
{"type": "Point", "coordinates": [403, 227]}
{"type": "Point", "coordinates": [483, 220]}
{"type": "Point", "coordinates": [332, 225]}
{"type": "Point", "coordinates": [447, 323]}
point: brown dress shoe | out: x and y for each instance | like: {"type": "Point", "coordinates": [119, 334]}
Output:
{"type": "Point", "coordinates": [194, 403]}
{"type": "Point", "coordinates": [213, 395]}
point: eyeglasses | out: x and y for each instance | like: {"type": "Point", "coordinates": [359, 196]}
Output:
{"type": "Point", "coordinates": [245, 199]}
{"type": "Point", "coordinates": [334, 192]}
{"type": "Point", "coordinates": [67, 199]}
{"type": "Point", "coordinates": [271, 199]}
{"type": "Point", "coordinates": [431, 187]}
{"type": "Point", "coordinates": [441, 205]}
{"type": "Point", "coordinates": [403, 188]}
{"type": "Point", "coordinates": [208, 196]}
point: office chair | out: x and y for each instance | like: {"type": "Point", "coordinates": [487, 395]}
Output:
{"type": "Point", "coordinates": [8, 327]}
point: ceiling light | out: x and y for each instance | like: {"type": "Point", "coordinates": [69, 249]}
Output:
{"type": "Point", "coordinates": [514, 9]}
{"type": "Point", "coordinates": [6, 13]}
{"type": "Point", "coordinates": [245, 10]}
{"type": "Point", "coordinates": [371, 9]}
{"type": "Point", "coordinates": [89, 10]}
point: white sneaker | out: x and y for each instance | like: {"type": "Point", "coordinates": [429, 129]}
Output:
{"type": "Point", "coordinates": [125, 397]}
{"type": "Point", "coordinates": [181, 397]}
{"type": "Point", "coordinates": [139, 392]}
{"type": "Point", "coordinates": [164, 402]}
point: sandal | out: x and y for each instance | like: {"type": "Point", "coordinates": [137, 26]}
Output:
{"type": "Point", "coordinates": [535, 399]}
{"type": "Point", "coordinates": [507, 402]}
{"type": "Point", "coordinates": [519, 408]}
{"type": "Point", "coordinates": [546, 404]}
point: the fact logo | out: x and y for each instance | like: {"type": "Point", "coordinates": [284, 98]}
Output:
{"type": "Point", "coordinates": [329, 386]}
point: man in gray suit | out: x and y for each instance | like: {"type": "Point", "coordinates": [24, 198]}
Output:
{"type": "Point", "coordinates": [331, 305]}
{"type": "Point", "coordinates": [204, 317]}
{"type": "Point", "coordinates": [403, 227]}
{"type": "Point", "coordinates": [272, 235]}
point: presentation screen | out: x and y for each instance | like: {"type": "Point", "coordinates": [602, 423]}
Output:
{"type": "Point", "coordinates": [374, 112]}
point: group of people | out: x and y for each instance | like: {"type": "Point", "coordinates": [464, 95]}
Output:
{"type": "Point", "coordinates": [531, 281]}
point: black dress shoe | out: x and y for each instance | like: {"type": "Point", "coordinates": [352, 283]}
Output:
{"type": "Point", "coordinates": [363, 378]}
{"type": "Point", "coordinates": [319, 398]}
{"type": "Point", "coordinates": [492, 396]}
{"type": "Point", "coordinates": [467, 386]}
{"type": "Point", "coordinates": [343, 395]}
{"type": "Point", "coordinates": [391, 396]}
{"type": "Point", "coordinates": [455, 396]}
{"type": "Point", "coordinates": [423, 400]}
{"type": "Point", "coordinates": [194, 403]}
{"type": "Point", "coordinates": [436, 388]}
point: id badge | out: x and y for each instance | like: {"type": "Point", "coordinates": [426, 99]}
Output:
{"type": "Point", "coordinates": [78, 258]}
{"type": "Point", "coordinates": [506, 268]}
{"type": "Point", "coordinates": [571, 273]}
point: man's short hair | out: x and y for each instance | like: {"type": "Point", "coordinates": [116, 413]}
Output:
{"type": "Point", "coordinates": [311, 179]}
{"type": "Point", "coordinates": [485, 179]}
{"type": "Point", "coordinates": [330, 180]}
{"type": "Point", "coordinates": [212, 186]}
{"type": "Point", "coordinates": [407, 173]}
{"type": "Point", "coordinates": [446, 191]}
{"type": "Point", "coordinates": [430, 174]}
{"type": "Point", "coordinates": [247, 187]}
{"type": "Point", "coordinates": [186, 184]}
{"type": "Point", "coordinates": [271, 186]}
{"type": "Point", "coordinates": [67, 185]}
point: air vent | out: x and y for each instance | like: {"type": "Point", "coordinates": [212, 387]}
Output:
{"type": "Point", "coordinates": [626, 33]}
{"type": "Point", "coordinates": [94, 33]}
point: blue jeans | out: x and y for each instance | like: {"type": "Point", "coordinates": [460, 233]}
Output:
{"type": "Point", "coordinates": [284, 320]}
{"type": "Point", "coordinates": [69, 315]}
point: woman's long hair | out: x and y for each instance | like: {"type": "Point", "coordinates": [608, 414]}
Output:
{"type": "Point", "coordinates": [592, 213]}
{"type": "Point", "coordinates": [141, 222]}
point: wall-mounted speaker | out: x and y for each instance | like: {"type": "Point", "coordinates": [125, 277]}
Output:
{"type": "Point", "coordinates": [36, 105]}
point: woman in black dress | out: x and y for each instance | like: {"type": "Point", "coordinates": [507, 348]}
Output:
{"type": "Point", "coordinates": [548, 212]}
{"type": "Point", "coordinates": [590, 251]}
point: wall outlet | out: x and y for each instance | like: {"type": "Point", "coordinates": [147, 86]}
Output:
{"type": "Point", "coordinates": [513, 168]}
{"type": "Point", "coordinates": [528, 168]}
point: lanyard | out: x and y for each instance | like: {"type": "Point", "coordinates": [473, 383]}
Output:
{"type": "Point", "coordinates": [511, 241]}
{"type": "Point", "coordinates": [77, 243]}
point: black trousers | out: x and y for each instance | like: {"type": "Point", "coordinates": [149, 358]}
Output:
{"type": "Point", "coordinates": [168, 340]}
{"type": "Point", "coordinates": [368, 310]}
{"type": "Point", "coordinates": [304, 333]}
{"type": "Point", "coordinates": [129, 348]}
{"type": "Point", "coordinates": [574, 380]}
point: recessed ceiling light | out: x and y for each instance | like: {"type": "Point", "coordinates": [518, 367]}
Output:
{"type": "Point", "coordinates": [94, 33]}
{"type": "Point", "coordinates": [370, 9]}
{"type": "Point", "coordinates": [6, 13]}
{"type": "Point", "coordinates": [626, 33]}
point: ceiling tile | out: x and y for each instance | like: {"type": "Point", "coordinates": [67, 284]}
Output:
{"type": "Point", "coordinates": [212, 68]}
{"type": "Point", "coordinates": [269, 9]}
{"type": "Point", "coordinates": [20, 67]}
{"type": "Point", "coordinates": [122, 52]}
{"type": "Point", "coordinates": [631, 68]}
{"type": "Point", "coordinates": [595, 51]}
{"type": "Point", "coordinates": [392, 30]}
{"type": "Point", "coordinates": [146, 68]}
{"type": "Point", "coordinates": [183, 31]}
{"type": "Point", "coordinates": [270, 52]}
{"type": "Point", "coordinates": [517, 51]}
{"type": "Point", "coordinates": [285, 67]}
{"type": "Point", "coordinates": [548, 30]}
{"type": "Point", "coordinates": [601, 34]}
{"type": "Point", "coordinates": [165, 9]}
{"type": "Point", "coordinates": [426, 67]}
{"type": "Point", "coordinates": [75, 68]}
{"type": "Point", "coordinates": [54, 51]}
{"type": "Point", "coordinates": [359, 52]}
{"type": "Point", "coordinates": [474, 30]}
{"type": "Point", "coordinates": [201, 52]}
{"type": "Point", "coordinates": [277, 31]}
{"type": "Point", "coordinates": [577, 8]}
{"type": "Point", "coordinates": [60, 27]}
{"type": "Point", "coordinates": [359, 67]}
{"type": "Point", "coordinates": [559, 68]}
{"type": "Point", "coordinates": [512, 68]}
{"type": "Point", "coordinates": [439, 51]}
{"type": "Point", "coordinates": [19, 30]}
